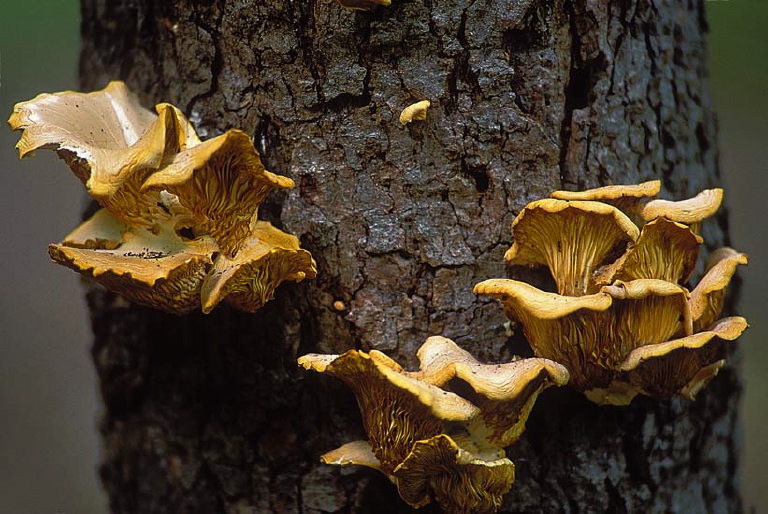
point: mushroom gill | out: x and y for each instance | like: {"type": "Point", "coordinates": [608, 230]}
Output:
{"type": "Point", "coordinates": [266, 259]}
{"type": "Point", "coordinates": [572, 238]}
{"type": "Point", "coordinates": [439, 432]}
{"type": "Point", "coordinates": [459, 481]}
{"type": "Point", "coordinates": [176, 210]}
{"type": "Point", "coordinates": [665, 250]}
{"type": "Point", "coordinates": [611, 317]}
{"type": "Point", "coordinates": [222, 182]}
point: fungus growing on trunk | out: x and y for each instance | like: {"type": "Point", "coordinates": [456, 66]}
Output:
{"type": "Point", "coordinates": [417, 111]}
{"type": "Point", "coordinates": [665, 250]}
{"type": "Point", "coordinates": [439, 432]}
{"type": "Point", "coordinates": [177, 210]}
{"type": "Point", "coordinates": [691, 211]}
{"type": "Point", "coordinates": [571, 238]}
{"type": "Point", "coordinates": [628, 199]}
{"type": "Point", "coordinates": [626, 327]}
{"type": "Point", "coordinates": [709, 294]}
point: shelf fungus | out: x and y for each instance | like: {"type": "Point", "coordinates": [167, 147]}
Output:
{"type": "Point", "coordinates": [622, 320]}
{"type": "Point", "coordinates": [178, 230]}
{"type": "Point", "coordinates": [439, 433]}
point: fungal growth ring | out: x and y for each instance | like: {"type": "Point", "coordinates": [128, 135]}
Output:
{"type": "Point", "coordinates": [178, 230]}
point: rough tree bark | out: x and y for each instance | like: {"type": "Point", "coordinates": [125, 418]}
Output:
{"type": "Point", "coordinates": [210, 413]}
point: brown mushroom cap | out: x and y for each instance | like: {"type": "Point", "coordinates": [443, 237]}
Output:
{"type": "Point", "coordinates": [708, 296]}
{"type": "Point", "coordinates": [505, 393]}
{"type": "Point", "coordinates": [680, 365]}
{"type": "Point", "coordinates": [690, 211]}
{"type": "Point", "coordinates": [459, 481]}
{"type": "Point", "coordinates": [397, 409]}
{"type": "Point", "coordinates": [222, 182]}
{"type": "Point", "coordinates": [592, 334]}
{"type": "Point", "coordinates": [571, 238]}
{"type": "Point", "coordinates": [265, 260]}
{"type": "Point", "coordinates": [626, 198]}
{"type": "Point", "coordinates": [665, 250]}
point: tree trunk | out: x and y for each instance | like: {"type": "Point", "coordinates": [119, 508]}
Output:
{"type": "Point", "coordinates": [209, 413]}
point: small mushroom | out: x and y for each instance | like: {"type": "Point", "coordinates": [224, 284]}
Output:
{"type": "Point", "coordinates": [691, 211]}
{"type": "Point", "coordinates": [397, 409]}
{"type": "Point", "coordinates": [109, 141]}
{"type": "Point", "coordinates": [417, 111]}
{"type": "Point", "coordinates": [266, 259]}
{"type": "Point", "coordinates": [505, 393]}
{"type": "Point", "coordinates": [627, 198]}
{"type": "Point", "coordinates": [708, 295]}
{"type": "Point", "coordinates": [439, 432]}
{"type": "Point", "coordinates": [665, 250]}
{"type": "Point", "coordinates": [681, 365]}
{"type": "Point", "coordinates": [159, 270]}
{"type": "Point", "coordinates": [356, 453]}
{"type": "Point", "coordinates": [222, 182]}
{"type": "Point", "coordinates": [591, 335]}
{"type": "Point", "coordinates": [572, 239]}
{"type": "Point", "coordinates": [458, 480]}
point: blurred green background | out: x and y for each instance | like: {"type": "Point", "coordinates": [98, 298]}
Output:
{"type": "Point", "coordinates": [48, 408]}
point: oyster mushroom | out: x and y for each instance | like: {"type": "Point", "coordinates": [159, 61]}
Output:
{"type": "Point", "coordinates": [571, 238]}
{"type": "Point", "coordinates": [159, 270]}
{"type": "Point", "coordinates": [110, 142]}
{"type": "Point", "coordinates": [417, 111]}
{"type": "Point", "coordinates": [681, 365]}
{"type": "Point", "coordinates": [222, 182]}
{"type": "Point", "coordinates": [176, 210]}
{"type": "Point", "coordinates": [505, 392]}
{"type": "Point", "coordinates": [397, 409]}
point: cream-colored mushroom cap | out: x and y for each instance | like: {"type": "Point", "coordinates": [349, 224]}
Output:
{"type": "Point", "coordinates": [505, 393]}
{"type": "Point", "coordinates": [690, 211]}
{"type": "Point", "coordinates": [709, 294]}
{"type": "Point", "coordinates": [159, 270]}
{"type": "Point", "coordinates": [626, 198]}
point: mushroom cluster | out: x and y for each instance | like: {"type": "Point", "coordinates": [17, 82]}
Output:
{"type": "Point", "coordinates": [622, 321]}
{"type": "Point", "coordinates": [178, 229]}
{"type": "Point", "coordinates": [439, 433]}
